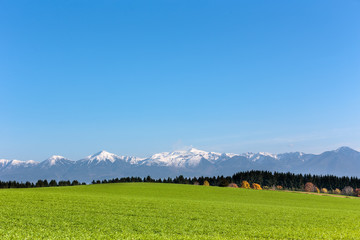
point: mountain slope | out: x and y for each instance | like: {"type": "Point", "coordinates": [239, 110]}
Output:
{"type": "Point", "coordinates": [342, 161]}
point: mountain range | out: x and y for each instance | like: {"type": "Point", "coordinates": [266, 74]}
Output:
{"type": "Point", "coordinates": [192, 162]}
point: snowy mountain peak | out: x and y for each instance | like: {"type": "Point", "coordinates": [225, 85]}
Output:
{"type": "Point", "coordinates": [103, 156]}
{"type": "Point", "coordinates": [56, 157]}
{"type": "Point", "coordinates": [4, 162]}
{"type": "Point", "coordinates": [55, 160]}
{"type": "Point", "coordinates": [196, 151]}
{"type": "Point", "coordinates": [182, 158]}
{"type": "Point", "coordinates": [32, 162]}
{"type": "Point", "coordinates": [18, 163]}
{"type": "Point", "coordinates": [266, 154]}
{"type": "Point", "coordinates": [258, 156]}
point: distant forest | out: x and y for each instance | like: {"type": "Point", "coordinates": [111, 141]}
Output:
{"type": "Point", "coordinates": [287, 181]}
{"type": "Point", "coordinates": [268, 180]}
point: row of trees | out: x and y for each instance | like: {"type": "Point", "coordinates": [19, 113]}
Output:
{"type": "Point", "coordinates": [348, 190]}
{"type": "Point", "coordinates": [287, 181]}
{"type": "Point", "coordinates": [291, 181]}
{"type": "Point", "coordinates": [39, 183]}
{"type": "Point", "coordinates": [267, 179]}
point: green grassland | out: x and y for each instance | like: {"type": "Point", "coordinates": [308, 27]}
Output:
{"type": "Point", "coordinates": [170, 211]}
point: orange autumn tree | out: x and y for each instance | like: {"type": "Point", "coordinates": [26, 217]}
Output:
{"type": "Point", "coordinates": [256, 186]}
{"type": "Point", "coordinates": [336, 191]}
{"type": "Point", "coordinates": [245, 184]}
{"type": "Point", "coordinates": [206, 183]}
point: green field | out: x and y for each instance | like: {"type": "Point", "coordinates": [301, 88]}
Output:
{"type": "Point", "coordinates": [169, 211]}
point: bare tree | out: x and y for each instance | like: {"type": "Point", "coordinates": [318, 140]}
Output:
{"type": "Point", "coordinates": [310, 187]}
{"type": "Point", "coordinates": [347, 191]}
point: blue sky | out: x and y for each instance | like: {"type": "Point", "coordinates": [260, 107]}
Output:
{"type": "Point", "coordinates": [140, 77]}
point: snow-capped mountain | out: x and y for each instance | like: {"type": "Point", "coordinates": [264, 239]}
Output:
{"type": "Point", "coordinates": [5, 163]}
{"type": "Point", "coordinates": [256, 157]}
{"type": "Point", "coordinates": [106, 157]}
{"type": "Point", "coordinates": [343, 161]}
{"type": "Point", "coordinates": [56, 161]}
{"type": "Point", "coordinates": [100, 157]}
{"type": "Point", "coordinates": [186, 158]}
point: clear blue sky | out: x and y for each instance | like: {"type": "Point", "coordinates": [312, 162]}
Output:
{"type": "Point", "coordinates": [140, 77]}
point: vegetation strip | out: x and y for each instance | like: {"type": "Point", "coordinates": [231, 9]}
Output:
{"type": "Point", "coordinates": [258, 180]}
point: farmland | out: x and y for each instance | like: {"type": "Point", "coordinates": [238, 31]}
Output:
{"type": "Point", "coordinates": [173, 211]}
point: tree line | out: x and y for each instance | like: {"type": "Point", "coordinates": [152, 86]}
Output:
{"type": "Point", "coordinates": [39, 183]}
{"type": "Point", "coordinates": [288, 181]}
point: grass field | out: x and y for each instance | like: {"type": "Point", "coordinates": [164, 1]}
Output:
{"type": "Point", "coordinates": [169, 211]}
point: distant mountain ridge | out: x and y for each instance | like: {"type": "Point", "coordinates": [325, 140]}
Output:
{"type": "Point", "coordinates": [343, 161]}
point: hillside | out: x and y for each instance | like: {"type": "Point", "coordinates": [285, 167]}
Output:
{"type": "Point", "coordinates": [164, 211]}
